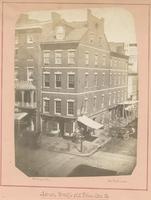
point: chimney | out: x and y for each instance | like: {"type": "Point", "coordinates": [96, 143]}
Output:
{"type": "Point", "coordinates": [23, 18]}
{"type": "Point", "coordinates": [55, 17]}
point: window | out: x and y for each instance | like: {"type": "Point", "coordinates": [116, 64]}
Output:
{"type": "Point", "coordinates": [70, 107]}
{"type": "Point", "coordinates": [94, 101]}
{"type": "Point", "coordinates": [30, 38]}
{"type": "Point", "coordinates": [58, 57]}
{"type": "Point", "coordinates": [111, 79]}
{"type": "Point", "coordinates": [16, 73]}
{"type": "Point", "coordinates": [57, 106]}
{"type": "Point", "coordinates": [46, 105]}
{"type": "Point", "coordinates": [104, 60]}
{"type": "Point", "coordinates": [96, 59]}
{"type": "Point", "coordinates": [71, 81]}
{"type": "Point", "coordinates": [16, 39]}
{"type": "Point", "coordinates": [60, 32]}
{"type": "Point", "coordinates": [86, 58]}
{"type": "Point", "coordinates": [103, 99]}
{"type": "Point", "coordinates": [30, 72]}
{"type": "Point", "coordinates": [103, 79]}
{"type": "Point", "coordinates": [58, 80]}
{"type": "Point", "coordinates": [86, 105]}
{"type": "Point", "coordinates": [46, 80]}
{"type": "Point", "coordinates": [71, 57]}
{"type": "Point", "coordinates": [86, 80]}
{"type": "Point", "coordinates": [110, 99]}
{"type": "Point", "coordinates": [114, 98]}
{"type": "Point", "coordinates": [114, 79]}
{"type": "Point", "coordinates": [46, 57]}
{"type": "Point", "coordinates": [119, 78]}
{"type": "Point", "coordinates": [118, 98]}
{"type": "Point", "coordinates": [95, 79]}
{"type": "Point", "coordinates": [54, 126]}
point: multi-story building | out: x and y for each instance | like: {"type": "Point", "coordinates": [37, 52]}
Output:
{"type": "Point", "coordinates": [80, 74]}
{"type": "Point", "coordinates": [27, 54]}
{"type": "Point", "coordinates": [131, 51]}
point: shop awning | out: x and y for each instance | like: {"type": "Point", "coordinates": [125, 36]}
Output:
{"type": "Point", "coordinates": [19, 116]}
{"type": "Point", "coordinates": [89, 122]}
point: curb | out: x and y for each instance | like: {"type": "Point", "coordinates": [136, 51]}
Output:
{"type": "Point", "coordinates": [84, 154]}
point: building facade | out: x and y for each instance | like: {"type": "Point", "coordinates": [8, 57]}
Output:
{"type": "Point", "coordinates": [80, 75]}
{"type": "Point", "coordinates": [27, 54]}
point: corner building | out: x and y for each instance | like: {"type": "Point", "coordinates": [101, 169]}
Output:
{"type": "Point", "coordinates": [76, 74]}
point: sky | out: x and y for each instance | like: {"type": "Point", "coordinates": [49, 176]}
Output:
{"type": "Point", "coordinates": [119, 24]}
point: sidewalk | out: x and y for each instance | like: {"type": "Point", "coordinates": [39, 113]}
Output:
{"type": "Point", "coordinates": [59, 144]}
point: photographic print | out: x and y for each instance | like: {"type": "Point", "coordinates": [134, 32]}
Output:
{"type": "Point", "coordinates": [76, 92]}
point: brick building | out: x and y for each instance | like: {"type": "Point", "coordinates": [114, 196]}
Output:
{"type": "Point", "coordinates": [27, 54]}
{"type": "Point", "coordinates": [81, 76]}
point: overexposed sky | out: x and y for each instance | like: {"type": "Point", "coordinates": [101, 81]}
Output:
{"type": "Point", "coordinates": [118, 22]}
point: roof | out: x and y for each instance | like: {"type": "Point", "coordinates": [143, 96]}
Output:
{"type": "Point", "coordinates": [76, 34]}
{"type": "Point", "coordinates": [89, 122]}
{"type": "Point", "coordinates": [118, 55]}
{"type": "Point", "coordinates": [24, 85]}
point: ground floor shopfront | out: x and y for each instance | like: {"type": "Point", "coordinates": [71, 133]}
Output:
{"type": "Point", "coordinates": [57, 125]}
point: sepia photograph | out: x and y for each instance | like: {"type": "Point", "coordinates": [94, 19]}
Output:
{"type": "Point", "coordinates": [76, 92]}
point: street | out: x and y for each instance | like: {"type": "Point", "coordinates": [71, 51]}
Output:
{"type": "Point", "coordinates": [43, 163]}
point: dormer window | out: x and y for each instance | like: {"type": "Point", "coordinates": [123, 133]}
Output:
{"type": "Point", "coordinates": [60, 33]}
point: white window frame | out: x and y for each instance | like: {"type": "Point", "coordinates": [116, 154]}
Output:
{"type": "Point", "coordinates": [28, 68]}
{"type": "Point", "coordinates": [59, 52]}
{"type": "Point", "coordinates": [57, 73]}
{"type": "Point", "coordinates": [55, 108]}
{"type": "Point", "coordinates": [44, 73]}
{"type": "Point", "coordinates": [68, 74]}
{"type": "Point", "coordinates": [71, 57]}
{"type": "Point", "coordinates": [47, 99]}
{"type": "Point", "coordinates": [70, 100]}
{"type": "Point", "coordinates": [60, 34]}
